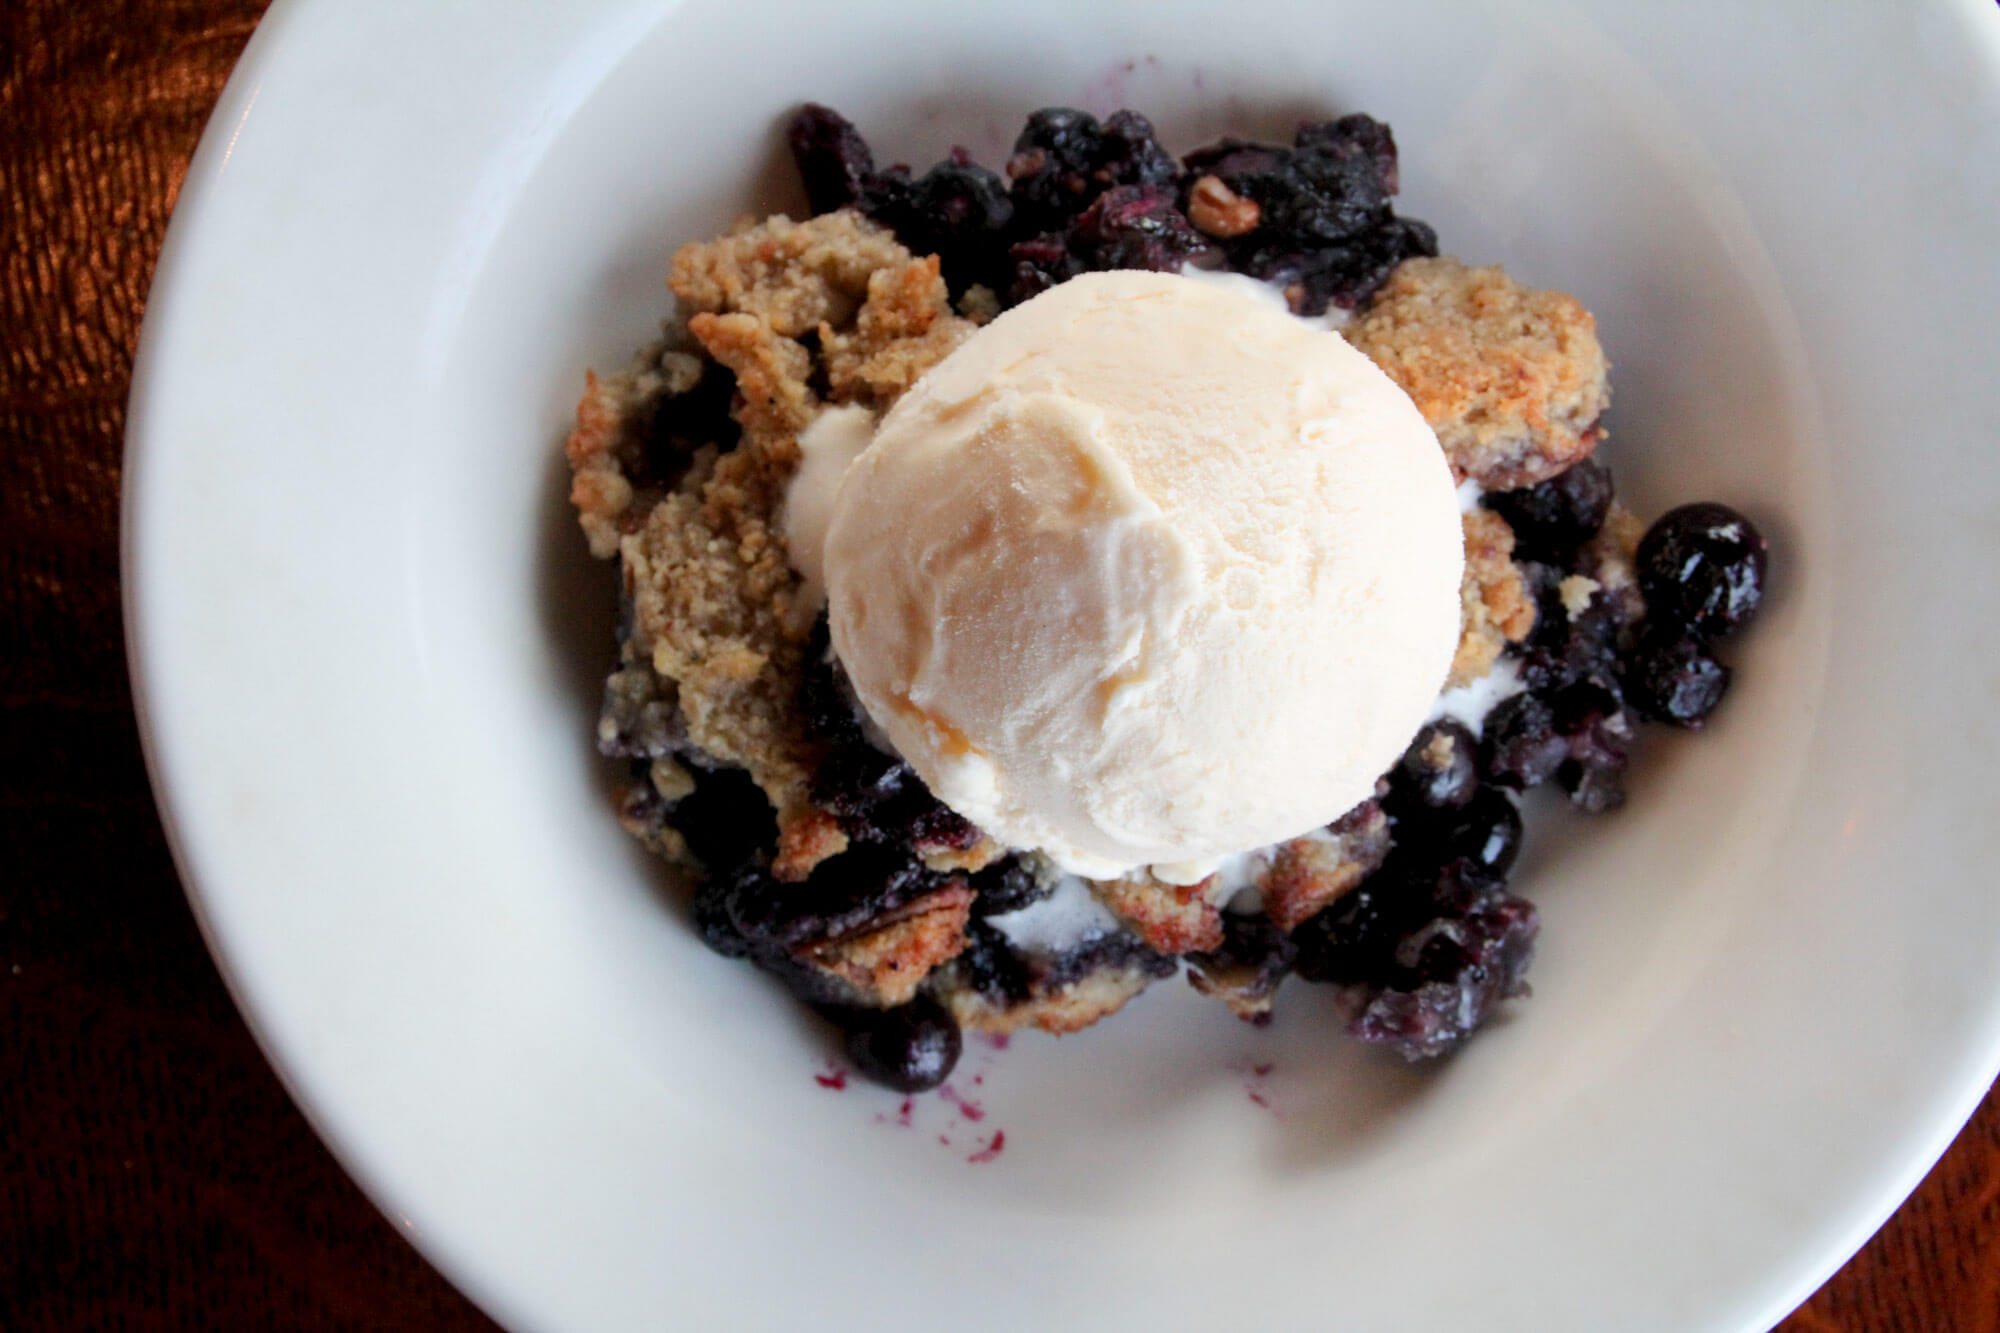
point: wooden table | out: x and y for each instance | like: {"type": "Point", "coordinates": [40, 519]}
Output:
{"type": "Point", "coordinates": [152, 1172]}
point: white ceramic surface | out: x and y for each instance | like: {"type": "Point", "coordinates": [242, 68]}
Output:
{"type": "Point", "coordinates": [365, 642]}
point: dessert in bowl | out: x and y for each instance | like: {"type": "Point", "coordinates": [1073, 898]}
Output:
{"type": "Point", "coordinates": [1034, 582]}
{"type": "Point", "coordinates": [1762, 990]}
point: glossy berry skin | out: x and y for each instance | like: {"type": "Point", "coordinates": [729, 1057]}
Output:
{"type": "Point", "coordinates": [1440, 769]}
{"type": "Point", "coordinates": [1701, 568]}
{"type": "Point", "coordinates": [911, 1048]}
{"type": "Point", "coordinates": [1551, 519]}
{"type": "Point", "coordinates": [1523, 745]}
{"type": "Point", "coordinates": [1673, 679]}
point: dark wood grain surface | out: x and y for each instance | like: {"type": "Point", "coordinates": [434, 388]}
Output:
{"type": "Point", "coordinates": [152, 1172]}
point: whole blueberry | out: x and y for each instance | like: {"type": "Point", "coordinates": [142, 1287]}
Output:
{"type": "Point", "coordinates": [833, 159]}
{"type": "Point", "coordinates": [960, 212]}
{"type": "Point", "coordinates": [1701, 568]}
{"type": "Point", "coordinates": [1437, 774]}
{"type": "Point", "coordinates": [1672, 678]}
{"type": "Point", "coordinates": [1553, 518]}
{"type": "Point", "coordinates": [1522, 746]}
{"type": "Point", "coordinates": [911, 1048]}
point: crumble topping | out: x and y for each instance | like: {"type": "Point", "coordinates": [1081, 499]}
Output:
{"type": "Point", "coordinates": [885, 965]}
{"type": "Point", "coordinates": [1307, 874]}
{"type": "Point", "coordinates": [1496, 607]}
{"type": "Point", "coordinates": [680, 464]}
{"type": "Point", "coordinates": [1172, 918]}
{"type": "Point", "coordinates": [714, 600]}
{"type": "Point", "coordinates": [1511, 378]}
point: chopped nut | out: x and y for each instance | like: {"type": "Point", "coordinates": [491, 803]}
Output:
{"type": "Point", "coordinates": [1218, 210]}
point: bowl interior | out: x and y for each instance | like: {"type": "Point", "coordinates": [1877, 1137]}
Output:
{"type": "Point", "coordinates": [1519, 153]}
{"type": "Point", "coordinates": [491, 997]}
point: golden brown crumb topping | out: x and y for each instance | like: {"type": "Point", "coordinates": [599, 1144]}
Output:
{"type": "Point", "coordinates": [713, 594]}
{"type": "Point", "coordinates": [1307, 874]}
{"type": "Point", "coordinates": [885, 966]}
{"type": "Point", "coordinates": [1171, 918]}
{"type": "Point", "coordinates": [1511, 378]}
{"type": "Point", "coordinates": [1494, 605]}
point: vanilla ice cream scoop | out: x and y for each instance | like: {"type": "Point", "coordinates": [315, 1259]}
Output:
{"type": "Point", "coordinates": [1148, 572]}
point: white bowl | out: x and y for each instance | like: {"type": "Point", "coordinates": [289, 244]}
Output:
{"type": "Point", "coordinates": [366, 643]}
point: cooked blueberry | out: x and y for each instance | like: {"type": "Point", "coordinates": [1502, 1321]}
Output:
{"type": "Point", "coordinates": [1039, 264]}
{"type": "Point", "coordinates": [1064, 158]}
{"type": "Point", "coordinates": [875, 795]}
{"type": "Point", "coordinates": [1701, 568]}
{"type": "Point", "coordinates": [1456, 970]}
{"type": "Point", "coordinates": [1441, 767]}
{"type": "Point", "coordinates": [1330, 187]}
{"type": "Point", "coordinates": [1600, 728]}
{"type": "Point", "coordinates": [1552, 519]}
{"type": "Point", "coordinates": [1354, 940]}
{"type": "Point", "coordinates": [1436, 775]}
{"type": "Point", "coordinates": [1250, 941]}
{"type": "Point", "coordinates": [1522, 746]}
{"type": "Point", "coordinates": [1343, 273]}
{"type": "Point", "coordinates": [1673, 679]}
{"type": "Point", "coordinates": [1051, 167]}
{"type": "Point", "coordinates": [727, 820]}
{"type": "Point", "coordinates": [682, 423]}
{"type": "Point", "coordinates": [711, 919]}
{"type": "Point", "coordinates": [1355, 133]}
{"type": "Point", "coordinates": [959, 211]}
{"type": "Point", "coordinates": [911, 1048]}
{"type": "Point", "coordinates": [1482, 841]}
{"type": "Point", "coordinates": [832, 157]}
{"type": "Point", "coordinates": [1008, 885]}
{"type": "Point", "coordinates": [990, 966]}
{"type": "Point", "coordinates": [844, 894]}
{"type": "Point", "coordinates": [1568, 647]}
{"type": "Point", "coordinates": [1128, 226]}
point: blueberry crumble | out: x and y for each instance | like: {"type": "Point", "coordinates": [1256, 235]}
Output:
{"type": "Point", "coordinates": [818, 851]}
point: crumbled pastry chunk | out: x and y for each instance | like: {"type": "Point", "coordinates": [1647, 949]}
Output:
{"type": "Point", "coordinates": [904, 329]}
{"type": "Point", "coordinates": [715, 613]}
{"type": "Point", "coordinates": [710, 589]}
{"type": "Point", "coordinates": [1306, 874]}
{"type": "Point", "coordinates": [1511, 378]}
{"type": "Point", "coordinates": [1060, 1010]}
{"type": "Point", "coordinates": [1172, 918]}
{"type": "Point", "coordinates": [807, 835]}
{"type": "Point", "coordinates": [884, 965]}
{"type": "Point", "coordinates": [774, 398]}
{"type": "Point", "coordinates": [1496, 607]}
{"type": "Point", "coordinates": [606, 450]}
{"type": "Point", "coordinates": [642, 812]}
{"type": "Point", "coordinates": [793, 276]}
{"type": "Point", "coordinates": [977, 857]}
{"type": "Point", "coordinates": [980, 304]}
